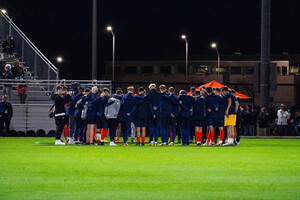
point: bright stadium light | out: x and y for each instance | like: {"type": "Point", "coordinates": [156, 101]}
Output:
{"type": "Point", "coordinates": [109, 28]}
{"type": "Point", "coordinates": [3, 11]}
{"type": "Point", "coordinates": [59, 59]}
{"type": "Point", "coordinates": [213, 45]}
{"type": "Point", "coordinates": [183, 36]}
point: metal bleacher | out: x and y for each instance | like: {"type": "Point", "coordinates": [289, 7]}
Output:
{"type": "Point", "coordinates": [40, 77]}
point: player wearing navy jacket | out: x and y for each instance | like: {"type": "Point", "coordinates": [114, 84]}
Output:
{"type": "Point", "coordinates": [198, 110]}
{"type": "Point", "coordinates": [165, 114]}
{"type": "Point", "coordinates": [126, 114]}
{"type": "Point", "coordinates": [186, 104]}
{"type": "Point", "coordinates": [220, 114]}
{"type": "Point", "coordinates": [141, 117]}
{"type": "Point", "coordinates": [174, 114]}
{"type": "Point", "coordinates": [155, 101]}
{"type": "Point", "coordinates": [211, 105]}
{"type": "Point", "coordinates": [92, 101]}
{"type": "Point", "coordinates": [102, 124]}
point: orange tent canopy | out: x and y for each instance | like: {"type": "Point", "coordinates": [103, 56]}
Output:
{"type": "Point", "coordinates": [219, 85]}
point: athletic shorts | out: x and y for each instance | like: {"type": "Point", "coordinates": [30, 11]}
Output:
{"type": "Point", "coordinates": [91, 119]}
{"type": "Point", "coordinates": [230, 120]}
{"type": "Point", "coordinates": [210, 122]}
{"type": "Point", "coordinates": [198, 123]}
{"type": "Point", "coordinates": [140, 123]}
{"type": "Point", "coordinates": [220, 123]}
{"type": "Point", "coordinates": [102, 123]}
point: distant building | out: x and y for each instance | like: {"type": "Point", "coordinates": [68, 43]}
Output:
{"type": "Point", "coordinates": [236, 71]}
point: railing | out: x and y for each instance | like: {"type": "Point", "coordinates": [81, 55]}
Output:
{"type": "Point", "coordinates": [39, 91]}
{"type": "Point", "coordinates": [38, 64]}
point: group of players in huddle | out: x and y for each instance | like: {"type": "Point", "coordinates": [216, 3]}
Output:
{"type": "Point", "coordinates": [91, 112]}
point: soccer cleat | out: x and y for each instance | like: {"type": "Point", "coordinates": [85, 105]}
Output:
{"type": "Point", "coordinates": [171, 144]}
{"type": "Point", "coordinates": [138, 144]}
{"type": "Point", "coordinates": [59, 142]}
{"type": "Point", "coordinates": [101, 143]}
{"type": "Point", "coordinates": [125, 144]}
{"type": "Point", "coordinates": [226, 144]}
{"type": "Point", "coordinates": [151, 143]}
{"type": "Point", "coordinates": [155, 143]}
{"type": "Point", "coordinates": [142, 144]}
{"type": "Point", "coordinates": [132, 140]}
{"type": "Point", "coordinates": [77, 142]}
{"type": "Point", "coordinates": [206, 144]}
{"type": "Point", "coordinates": [198, 144]}
{"type": "Point", "coordinates": [163, 144]}
{"type": "Point", "coordinates": [117, 140]}
{"type": "Point", "coordinates": [112, 144]}
{"type": "Point", "coordinates": [220, 143]}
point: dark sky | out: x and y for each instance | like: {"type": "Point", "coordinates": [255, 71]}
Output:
{"type": "Point", "coordinates": [150, 29]}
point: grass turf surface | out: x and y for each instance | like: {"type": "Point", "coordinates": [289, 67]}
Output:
{"type": "Point", "coordinates": [256, 169]}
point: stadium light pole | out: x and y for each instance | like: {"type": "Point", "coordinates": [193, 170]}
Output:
{"type": "Point", "coordinates": [186, 56]}
{"type": "Point", "coordinates": [59, 60]}
{"type": "Point", "coordinates": [94, 41]}
{"type": "Point", "coordinates": [214, 45]}
{"type": "Point", "coordinates": [109, 28]}
{"type": "Point", "coordinates": [3, 11]}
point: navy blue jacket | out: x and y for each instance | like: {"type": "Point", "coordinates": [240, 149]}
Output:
{"type": "Point", "coordinates": [175, 105]}
{"type": "Point", "coordinates": [101, 106]}
{"type": "Point", "coordinates": [187, 104]}
{"type": "Point", "coordinates": [93, 100]}
{"type": "Point", "coordinates": [142, 107]}
{"type": "Point", "coordinates": [128, 105]}
{"type": "Point", "coordinates": [70, 109]}
{"type": "Point", "coordinates": [166, 108]}
{"type": "Point", "coordinates": [222, 106]}
{"type": "Point", "coordinates": [78, 109]}
{"type": "Point", "coordinates": [6, 110]}
{"type": "Point", "coordinates": [199, 108]}
{"type": "Point", "coordinates": [154, 98]}
{"type": "Point", "coordinates": [8, 75]}
{"type": "Point", "coordinates": [211, 102]}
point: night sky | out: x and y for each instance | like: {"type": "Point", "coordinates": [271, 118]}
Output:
{"type": "Point", "coordinates": [150, 29]}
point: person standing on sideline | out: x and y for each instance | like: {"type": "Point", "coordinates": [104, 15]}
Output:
{"type": "Point", "coordinates": [174, 115]}
{"type": "Point", "coordinates": [248, 118]}
{"type": "Point", "coordinates": [186, 104]}
{"type": "Point", "coordinates": [141, 117]}
{"type": "Point", "coordinates": [126, 114]}
{"type": "Point", "coordinates": [60, 99]}
{"type": "Point", "coordinates": [6, 113]}
{"type": "Point", "coordinates": [282, 122]}
{"type": "Point", "coordinates": [263, 122]}
{"type": "Point", "coordinates": [8, 85]}
{"type": "Point", "coordinates": [198, 110]}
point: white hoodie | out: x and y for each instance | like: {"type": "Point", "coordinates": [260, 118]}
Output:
{"type": "Point", "coordinates": [283, 116]}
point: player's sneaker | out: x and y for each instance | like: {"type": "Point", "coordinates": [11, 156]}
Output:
{"type": "Point", "coordinates": [151, 143]}
{"type": "Point", "coordinates": [142, 144]}
{"type": "Point", "coordinates": [112, 144]}
{"type": "Point", "coordinates": [155, 143]}
{"type": "Point", "coordinates": [171, 144]}
{"type": "Point", "coordinates": [77, 142]}
{"type": "Point", "coordinates": [220, 143]}
{"type": "Point", "coordinates": [163, 144]}
{"type": "Point", "coordinates": [132, 140]}
{"type": "Point", "coordinates": [125, 144]}
{"type": "Point", "coordinates": [226, 144]}
{"type": "Point", "coordinates": [117, 140]}
{"type": "Point", "coordinates": [138, 144]}
{"type": "Point", "coordinates": [101, 143]}
{"type": "Point", "coordinates": [198, 144]}
{"type": "Point", "coordinates": [71, 141]}
{"type": "Point", "coordinates": [206, 144]}
{"type": "Point", "coordinates": [59, 142]}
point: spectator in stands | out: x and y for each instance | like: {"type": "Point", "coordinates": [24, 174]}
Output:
{"type": "Point", "coordinates": [6, 113]}
{"type": "Point", "coordinates": [9, 46]}
{"type": "Point", "coordinates": [22, 91]}
{"type": "Point", "coordinates": [17, 70]}
{"type": "Point", "coordinates": [7, 85]}
{"type": "Point", "coordinates": [282, 122]}
{"type": "Point", "coordinates": [248, 118]}
{"type": "Point", "coordinates": [263, 122]}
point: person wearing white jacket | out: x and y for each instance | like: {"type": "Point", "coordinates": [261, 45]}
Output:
{"type": "Point", "coordinates": [282, 122]}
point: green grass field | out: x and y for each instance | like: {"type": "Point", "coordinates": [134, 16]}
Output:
{"type": "Point", "coordinates": [256, 169]}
